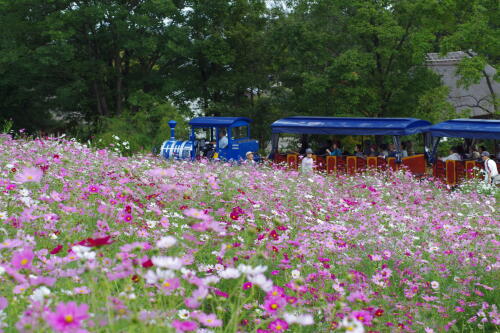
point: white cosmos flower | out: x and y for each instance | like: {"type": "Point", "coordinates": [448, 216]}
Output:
{"type": "Point", "coordinates": [2, 270]}
{"type": "Point", "coordinates": [261, 281]}
{"type": "Point", "coordinates": [39, 294]}
{"type": "Point", "coordinates": [303, 320]}
{"type": "Point", "coordinates": [435, 285]}
{"type": "Point", "coordinates": [83, 252]}
{"type": "Point", "coordinates": [166, 242]}
{"type": "Point", "coordinates": [210, 279]}
{"type": "Point", "coordinates": [158, 275]}
{"type": "Point", "coordinates": [352, 325]}
{"type": "Point", "coordinates": [230, 273]}
{"type": "Point", "coordinates": [183, 314]}
{"type": "Point", "coordinates": [295, 274]}
{"type": "Point", "coordinates": [167, 262]}
{"type": "Point", "coordinates": [249, 270]}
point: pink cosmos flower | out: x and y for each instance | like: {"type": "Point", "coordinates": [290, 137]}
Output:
{"type": "Point", "coordinates": [160, 172]}
{"type": "Point", "coordinates": [3, 303]}
{"type": "Point", "coordinates": [278, 325]}
{"type": "Point", "coordinates": [68, 317]}
{"type": "Point", "coordinates": [29, 175]}
{"type": "Point", "coordinates": [363, 316]}
{"type": "Point", "coordinates": [171, 284]}
{"type": "Point", "coordinates": [22, 259]}
{"type": "Point", "coordinates": [209, 320]}
{"type": "Point", "coordinates": [276, 291]}
{"type": "Point", "coordinates": [274, 304]}
{"type": "Point", "coordinates": [184, 326]}
{"type": "Point", "coordinates": [197, 214]}
{"type": "Point", "coordinates": [247, 285]}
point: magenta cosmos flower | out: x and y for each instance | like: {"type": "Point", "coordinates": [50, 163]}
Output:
{"type": "Point", "coordinates": [274, 304]}
{"type": "Point", "coordinates": [184, 326]}
{"type": "Point", "coordinates": [68, 317]}
{"type": "Point", "coordinates": [29, 175]}
{"type": "Point", "coordinates": [22, 259]}
{"type": "Point", "coordinates": [278, 325]}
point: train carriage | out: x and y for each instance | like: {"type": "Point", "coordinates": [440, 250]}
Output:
{"type": "Point", "coordinates": [395, 127]}
{"type": "Point", "coordinates": [452, 172]}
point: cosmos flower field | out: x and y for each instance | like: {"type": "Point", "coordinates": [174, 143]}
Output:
{"type": "Point", "coordinates": [91, 241]}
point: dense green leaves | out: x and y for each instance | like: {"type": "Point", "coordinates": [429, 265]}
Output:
{"type": "Point", "coordinates": [71, 65]}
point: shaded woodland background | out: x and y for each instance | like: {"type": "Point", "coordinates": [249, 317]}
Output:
{"type": "Point", "coordinates": [93, 69]}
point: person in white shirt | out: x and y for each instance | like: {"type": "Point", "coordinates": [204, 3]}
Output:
{"type": "Point", "coordinates": [491, 169]}
{"type": "Point", "coordinates": [454, 156]}
{"type": "Point", "coordinates": [250, 158]}
{"type": "Point", "coordinates": [223, 141]}
{"type": "Point", "coordinates": [307, 162]}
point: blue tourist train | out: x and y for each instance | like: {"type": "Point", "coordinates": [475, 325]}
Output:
{"type": "Point", "coordinates": [224, 138]}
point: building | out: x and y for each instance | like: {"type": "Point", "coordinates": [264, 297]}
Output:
{"type": "Point", "coordinates": [477, 97]}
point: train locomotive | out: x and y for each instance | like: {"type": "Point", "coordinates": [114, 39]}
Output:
{"type": "Point", "coordinates": [223, 138]}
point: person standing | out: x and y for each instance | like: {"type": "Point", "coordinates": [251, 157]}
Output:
{"type": "Point", "coordinates": [491, 169]}
{"type": "Point", "coordinates": [250, 158]}
{"type": "Point", "coordinates": [307, 162]}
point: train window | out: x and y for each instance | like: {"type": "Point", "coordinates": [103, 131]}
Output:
{"type": "Point", "coordinates": [207, 134]}
{"type": "Point", "coordinates": [239, 132]}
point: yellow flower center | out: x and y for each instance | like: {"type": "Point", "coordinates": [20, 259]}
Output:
{"type": "Point", "coordinates": [209, 320]}
{"type": "Point", "coordinates": [274, 306]}
{"type": "Point", "coordinates": [275, 293]}
{"type": "Point", "coordinates": [30, 177]}
{"type": "Point", "coordinates": [278, 327]}
{"type": "Point", "coordinates": [349, 328]}
{"type": "Point", "coordinates": [24, 262]}
{"type": "Point", "coordinates": [166, 284]}
{"type": "Point", "coordinates": [228, 246]}
{"type": "Point", "coordinates": [68, 318]}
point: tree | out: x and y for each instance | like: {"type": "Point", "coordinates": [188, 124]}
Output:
{"type": "Point", "coordinates": [354, 57]}
{"type": "Point", "coordinates": [86, 58]}
{"type": "Point", "coordinates": [224, 56]}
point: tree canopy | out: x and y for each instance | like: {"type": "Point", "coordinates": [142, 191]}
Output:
{"type": "Point", "coordinates": [70, 65]}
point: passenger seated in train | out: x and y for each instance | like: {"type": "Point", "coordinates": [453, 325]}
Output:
{"type": "Point", "coordinates": [334, 149]}
{"type": "Point", "coordinates": [392, 150]}
{"type": "Point", "coordinates": [474, 154]}
{"type": "Point", "coordinates": [384, 150]}
{"type": "Point", "coordinates": [373, 151]}
{"type": "Point", "coordinates": [358, 151]}
{"type": "Point", "coordinates": [408, 145]}
{"type": "Point", "coordinates": [454, 155]}
{"type": "Point", "coordinates": [404, 149]}
{"type": "Point", "coordinates": [323, 151]}
{"type": "Point", "coordinates": [223, 140]}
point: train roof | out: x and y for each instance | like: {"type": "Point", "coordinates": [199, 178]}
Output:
{"type": "Point", "coordinates": [467, 128]}
{"type": "Point", "coordinates": [350, 126]}
{"type": "Point", "coordinates": [219, 121]}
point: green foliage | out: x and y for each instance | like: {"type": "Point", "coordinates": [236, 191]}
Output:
{"type": "Point", "coordinates": [65, 65]}
{"type": "Point", "coordinates": [145, 129]}
{"type": "Point", "coordinates": [7, 126]}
